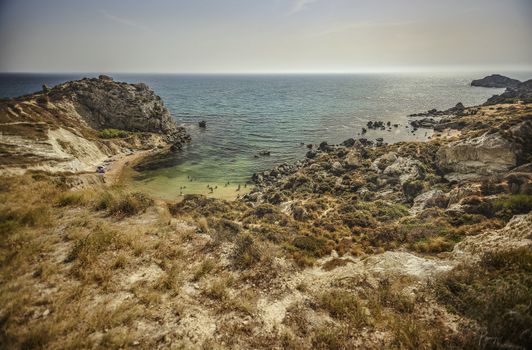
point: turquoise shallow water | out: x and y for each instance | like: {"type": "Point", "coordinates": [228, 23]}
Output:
{"type": "Point", "coordinates": [246, 114]}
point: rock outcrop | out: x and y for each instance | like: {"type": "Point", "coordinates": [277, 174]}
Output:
{"type": "Point", "coordinates": [104, 103]}
{"type": "Point", "coordinates": [521, 92]}
{"type": "Point", "coordinates": [514, 235]}
{"type": "Point", "coordinates": [496, 81]}
{"type": "Point", "coordinates": [484, 155]}
{"type": "Point", "coordinates": [458, 109]}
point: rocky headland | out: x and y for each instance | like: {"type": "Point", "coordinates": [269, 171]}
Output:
{"type": "Point", "coordinates": [362, 245]}
{"type": "Point", "coordinates": [78, 125]}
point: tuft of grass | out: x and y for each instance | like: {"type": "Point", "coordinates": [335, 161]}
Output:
{"type": "Point", "coordinates": [244, 303]}
{"type": "Point", "coordinates": [170, 280]}
{"type": "Point", "coordinates": [120, 261]}
{"type": "Point", "coordinates": [206, 266]}
{"type": "Point", "coordinates": [203, 224]}
{"type": "Point", "coordinates": [13, 219]}
{"type": "Point", "coordinates": [78, 198]}
{"type": "Point", "coordinates": [344, 305]}
{"type": "Point", "coordinates": [130, 204]}
{"type": "Point", "coordinates": [103, 201]}
{"type": "Point", "coordinates": [247, 252]}
{"type": "Point", "coordinates": [87, 249]}
{"type": "Point", "coordinates": [218, 290]}
{"type": "Point", "coordinates": [331, 337]}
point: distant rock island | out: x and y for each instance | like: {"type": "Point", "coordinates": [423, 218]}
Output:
{"type": "Point", "coordinates": [496, 81]}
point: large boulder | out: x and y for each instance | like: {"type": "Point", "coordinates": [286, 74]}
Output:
{"type": "Point", "coordinates": [496, 81]}
{"type": "Point", "coordinates": [484, 155]}
{"type": "Point", "coordinates": [460, 192]}
{"type": "Point", "coordinates": [430, 199]}
{"type": "Point", "coordinates": [406, 169]}
{"type": "Point", "coordinates": [383, 161]}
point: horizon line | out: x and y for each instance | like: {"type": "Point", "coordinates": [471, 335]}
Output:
{"type": "Point", "coordinates": [449, 69]}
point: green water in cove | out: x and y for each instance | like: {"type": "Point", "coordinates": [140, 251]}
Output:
{"type": "Point", "coordinates": [247, 114]}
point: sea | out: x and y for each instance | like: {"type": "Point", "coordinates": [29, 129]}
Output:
{"type": "Point", "coordinates": [279, 114]}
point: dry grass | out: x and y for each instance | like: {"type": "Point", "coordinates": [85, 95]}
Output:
{"type": "Point", "coordinates": [497, 293]}
{"type": "Point", "coordinates": [97, 256]}
{"type": "Point", "coordinates": [344, 305]}
{"type": "Point", "coordinates": [206, 267]}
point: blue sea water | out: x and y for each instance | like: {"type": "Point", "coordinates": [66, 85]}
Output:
{"type": "Point", "coordinates": [246, 114]}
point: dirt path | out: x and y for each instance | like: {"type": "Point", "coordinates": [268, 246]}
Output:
{"type": "Point", "coordinates": [115, 170]}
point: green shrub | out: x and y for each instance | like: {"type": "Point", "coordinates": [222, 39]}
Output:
{"type": "Point", "coordinates": [358, 218]}
{"type": "Point", "coordinates": [387, 211]}
{"type": "Point", "coordinates": [506, 207]}
{"type": "Point", "coordinates": [113, 134]}
{"type": "Point", "coordinates": [313, 245]}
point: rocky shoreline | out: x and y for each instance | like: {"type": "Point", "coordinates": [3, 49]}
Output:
{"type": "Point", "coordinates": [487, 141]}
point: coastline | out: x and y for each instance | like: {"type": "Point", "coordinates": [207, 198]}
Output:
{"type": "Point", "coordinates": [359, 244]}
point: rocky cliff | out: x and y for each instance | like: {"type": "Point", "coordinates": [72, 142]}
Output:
{"type": "Point", "coordinates": [103, 104]}
{"type": "Point", "coordinates": [75, 126]}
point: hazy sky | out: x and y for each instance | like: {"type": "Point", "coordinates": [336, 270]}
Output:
{"type": "Point", "coordinates": [264, 35]}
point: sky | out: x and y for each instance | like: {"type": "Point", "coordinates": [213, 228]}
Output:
{"type": "Point", "coordinates": [264, 36]}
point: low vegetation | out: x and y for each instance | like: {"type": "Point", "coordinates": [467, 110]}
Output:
{"type": "Point", "coordinates": [497, 293]}
{"type": "Point", "coordinates": [113, 134]}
